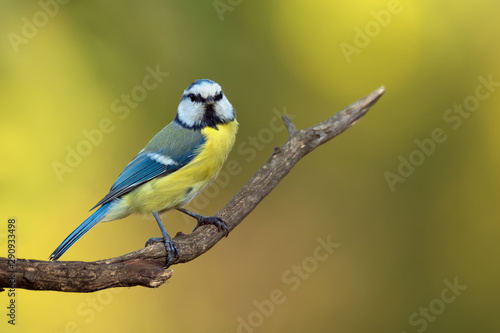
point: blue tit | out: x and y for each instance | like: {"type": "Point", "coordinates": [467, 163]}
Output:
{"type": "Point", "coordinates": [175, 166]}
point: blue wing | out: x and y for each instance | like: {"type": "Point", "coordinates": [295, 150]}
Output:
{"type": "Point", "coordinates": [150, 164]}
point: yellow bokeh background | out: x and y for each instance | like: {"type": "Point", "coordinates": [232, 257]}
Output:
{"type": "Point", "coordinates": [64, 64]}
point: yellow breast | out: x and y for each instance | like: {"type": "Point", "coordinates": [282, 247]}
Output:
{"type": "Point", "coordinates": [181, 186]}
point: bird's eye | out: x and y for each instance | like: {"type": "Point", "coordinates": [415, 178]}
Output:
{"type": "Point", "coordinates": [195, 98]}
{"type": "Point", "coordinates": [218, 97]}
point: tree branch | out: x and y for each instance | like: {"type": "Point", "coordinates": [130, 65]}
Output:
{"type": "Point", "coordinates": [145, 266]}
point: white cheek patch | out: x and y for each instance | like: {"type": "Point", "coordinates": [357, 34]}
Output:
{"type": "Point", "coordinates": [225, 110]}
{"type": "Point", "coordinates": [165, 160]}
{"type": "Point", "coordinates": [190, 113]}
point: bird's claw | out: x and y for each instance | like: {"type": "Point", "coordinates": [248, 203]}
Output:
{"type": "Point", "coordinates": [172, 251]}
{"type": "Point", "coordinates": [216, 221]}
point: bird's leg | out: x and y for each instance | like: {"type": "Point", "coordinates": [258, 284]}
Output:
{"type": "Point", "coordinates": [216, 221]}
{"type": "Point", "coordinates": [169, 243]}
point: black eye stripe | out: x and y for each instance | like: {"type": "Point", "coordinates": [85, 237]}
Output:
{"type": "Point", "coordinates": [197, 98]}
{"type": "Point", "coordinates": [218, 97]}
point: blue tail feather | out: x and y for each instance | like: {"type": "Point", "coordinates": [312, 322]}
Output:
{"type": "Point", "coordinates": [80, 231]}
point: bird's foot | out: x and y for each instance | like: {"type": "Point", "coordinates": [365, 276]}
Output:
{"type": "Point", "coordinates": [216, 221]}
{"type": "Point", "coordinates": [172, 251]}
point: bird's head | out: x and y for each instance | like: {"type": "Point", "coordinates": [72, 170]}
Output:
{"type": "Point", "coordinates": [203, 104]}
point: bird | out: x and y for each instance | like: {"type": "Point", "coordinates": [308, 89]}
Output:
{"type": "Point", "coordinates": [177, 164]}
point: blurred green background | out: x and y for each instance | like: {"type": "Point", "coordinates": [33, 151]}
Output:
{"type": "Point", "coordinates": [402, 238]}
